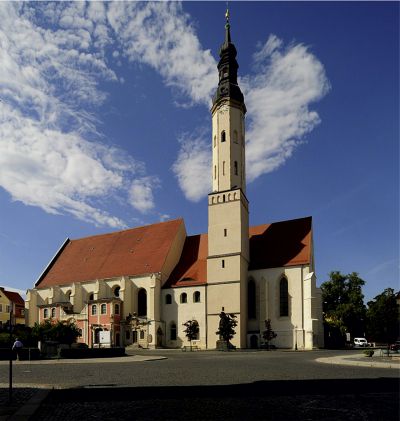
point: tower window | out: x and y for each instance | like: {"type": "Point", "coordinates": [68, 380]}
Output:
{"type": "Point", "coordinates": [223, 136]}
{"type": "Point", "coordinates": [215, 172]}
{"type": "Point", "coordinates": [223, 263]}
{"type": "Point", "coordinates": [236, 167]}
{"type": "Point", "coordinates": [215, 141]}
{"type": "Point", "coordinates": [223, 167]}
{"type": "Point", "coordinates": [283, 298]}
{"type": "Point", "coordinates": [183, 298]}
{"type": "Point", "coordinates": [225, 232]}
{"type": "Point", "coordinates": [196, 297]}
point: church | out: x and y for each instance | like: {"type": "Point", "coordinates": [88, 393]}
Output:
{"type": "Point", "coordinates": [138, 286]}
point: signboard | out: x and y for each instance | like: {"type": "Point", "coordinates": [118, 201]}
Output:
{"type": "Point", "coordinates": [347, 336]}
{"type": "Point", "coordinates": [105, 337]}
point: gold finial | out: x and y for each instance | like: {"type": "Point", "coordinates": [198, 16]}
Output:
{"type": "Point", "coordinates": [227, 13]}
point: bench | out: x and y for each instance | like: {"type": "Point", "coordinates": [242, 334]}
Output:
{"type": "Point", "coordinates": [190, 348]}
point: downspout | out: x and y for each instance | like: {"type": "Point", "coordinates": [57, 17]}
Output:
{"type": "Point", "coordinates": [206, 317]}
{"type": "Point", "coordinates": [302, 306]}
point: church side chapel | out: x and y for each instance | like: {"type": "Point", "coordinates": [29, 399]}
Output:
{"type": "Point", "coordinates": [138, 286]}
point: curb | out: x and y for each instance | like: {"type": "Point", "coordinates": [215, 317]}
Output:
{"type": "Point", "coordinates": [27, 411]}
{"type": "Point", "coordinates": [359, 363]}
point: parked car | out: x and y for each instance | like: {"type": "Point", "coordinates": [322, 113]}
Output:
{"type": "Point", "coordinates": [360, 342]}
{"type": "Point", "coordinates": [395, 346]}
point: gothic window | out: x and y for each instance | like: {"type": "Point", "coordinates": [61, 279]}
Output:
{"type": "Point", "coordinates": [116, 291]}
{"type": "Point", "coordinates": [168, 299]}
{"type": "Point", "coordinates": [283, 298]}
{"type": "Point", "coordinates": [142, 302]}
{"type": "Point", "coordinates": [103, 309]}
{"type": "Point", "coordinates": [223, 136]}
{"type": "Point", "coordinates": [183, 297]}
{"type": "Point", "coordinates": [196, 297]}
{"type": "Point", "coordinates": [53, 312]}
{"type": "Point", "coordinates": [46, 313]}
{"type": "Point", "coordinates": [236, 167]}
{"type": "Point", "coordinates": [172, 331]}
{"type": "Point", "coordinates": [235, 136]}
{"type": "Point", "coordinates": [116, 309]}
{"type": "Point", "coordinates": [251, 299]}
{"type": "Point", "coordinates": [94, 309]}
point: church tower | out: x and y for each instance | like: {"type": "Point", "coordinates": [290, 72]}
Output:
{"type": "Point", "coordinates": [228, 215]}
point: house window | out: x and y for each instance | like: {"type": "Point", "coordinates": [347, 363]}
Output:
{"type": "Point", "coordinates": [46, 313]}
{"type": "Point", "coordinates": [142, 334]}
{"type": "Point", "coordinates": [196, 297]}
{"type": "Point", "coordinates": [53, 312]}
{"type": "Point", "coordinates": [251, 299]}
{"type": "Point", "coordinates": [172, 332]}
{"type": "Point", "coordinates": [1, 308]}
{"type": "Point", "coordinates": [116, 309]}
{"type": "Point", "coordinates": [142, 302]}
{"type": "Point", "coordinates": [103, 309]}
{"type": "Point", "coordinates": [8, 308]}
{"type": "Point", "coordinates": [94, 309]}
{"type": "Point", "coordinates": [283, 298]}
{"type": "Point", "coordinates": [236, 167]}
{"type": "Point", "coordinates": [223, 136]}
{"type": "Point", "coordinates": [183, 298]}
{"type": "Point", "coordinates": [116, 291]}
{"type": "Point", "coordinates": [223, 263]}
{"type": "Point", "coordinates": [22, 312]}
{"type": "Point", "coordinates": [168, 299]}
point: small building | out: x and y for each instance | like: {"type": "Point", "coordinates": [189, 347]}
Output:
{"type": "Point", "coordinates": [11, 301]}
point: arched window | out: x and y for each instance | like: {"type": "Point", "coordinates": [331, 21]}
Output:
{"type": "Point", "coordinates": [235, 136]}
{"type": "Point", "coordinates": [46, 313]}
{"type": "Point", "coordinates": [53, 312]}
{"type": "Point", "coordinates": [283, 298]}
{"type": "Point", "coordinates": [183, 297]}
{"type": "Point", "coordinates": [168, 299]}
{"type": "Point", "coordinates": [103, 309]}
{"type": "Point", "coordinates": [116, 309]}
{"type": "Point", "coordinates": [116, 291]}
{"type": "Point", "coordinates": [94, 309]}
{"type": "Point", "coordinates": [196, 297]}
{"type": "Point", "coordinates": [142, 302]}
{"type": "Point", "coordinates": [236, 167]}
{"type": "Point", "coordinates": [172, 331]}
{"type": "Point", "coordinates": [223, 136]}
{"type": "Point", "coordinates": [68, 295]}
{"type": "Point", "coordinates": [251, 299]}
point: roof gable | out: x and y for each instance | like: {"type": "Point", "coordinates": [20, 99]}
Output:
{"type": "Point", "coordinates": [14, 297]}
{"type": "Point", "coordinates": [123, 253]}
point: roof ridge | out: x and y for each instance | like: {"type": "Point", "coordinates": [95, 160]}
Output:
{"type": "Point", "coordinates": [127, 229]}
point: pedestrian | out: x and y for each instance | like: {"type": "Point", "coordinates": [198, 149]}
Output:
{"type": "Point", "coordinates": [17, 347]}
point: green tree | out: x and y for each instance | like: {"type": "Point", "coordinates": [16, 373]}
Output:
{"type": "Point", "coordinates": [61, 331]}
{"type": "Point", "coordinates": [191, 331]}
{"type": "Point", "coordinates": [226, 329]}
{"type": "Point", "coordinates": [343, 306]}
{"type": "Point", "coordinates": [383, 317]}
{"type": "Point", "coordinates": [268, 334]}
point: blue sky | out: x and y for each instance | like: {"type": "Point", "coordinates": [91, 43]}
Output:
{"type": "Point", "coordinates": [105, 124]}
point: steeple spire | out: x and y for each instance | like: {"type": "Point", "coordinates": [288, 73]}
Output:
{"type": "Point", "coordinates": [227, 69]}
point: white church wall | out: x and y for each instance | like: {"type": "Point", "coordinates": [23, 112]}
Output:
{"type": "Point", "coordinates": [179, 313]}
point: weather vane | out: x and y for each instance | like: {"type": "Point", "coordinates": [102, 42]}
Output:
{"type": "Point", "coordinates": [227, 12]}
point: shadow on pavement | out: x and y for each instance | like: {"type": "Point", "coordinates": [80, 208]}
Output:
{"type": "Point", "coordinates": [278, 400]}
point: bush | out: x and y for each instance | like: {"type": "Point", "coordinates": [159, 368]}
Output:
{"type": "Point", "coordinates": [368, 352]}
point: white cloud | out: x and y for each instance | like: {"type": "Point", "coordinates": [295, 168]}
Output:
{"type": "Point", "coordinates": [193, 165]}
{"type": "Point", "coordinates": [141, 193]}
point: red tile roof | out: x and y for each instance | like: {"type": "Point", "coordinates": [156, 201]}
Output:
{"type": "Point", "coordinates": [192, 267]}
{"type": "Point", "coordinates": [144, 250]}
{"type": "Point", "coordinates": [13, 297]}
{"type": "Point", "coordinates": [280, 244]}
{"type": "Point", "coordinates": [130, 252]}
{"type": "Point", "coordinates": [285, 243]}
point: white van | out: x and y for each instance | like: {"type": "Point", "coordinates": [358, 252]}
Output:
{"type": "Point", "coordinates": [360, 342]}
